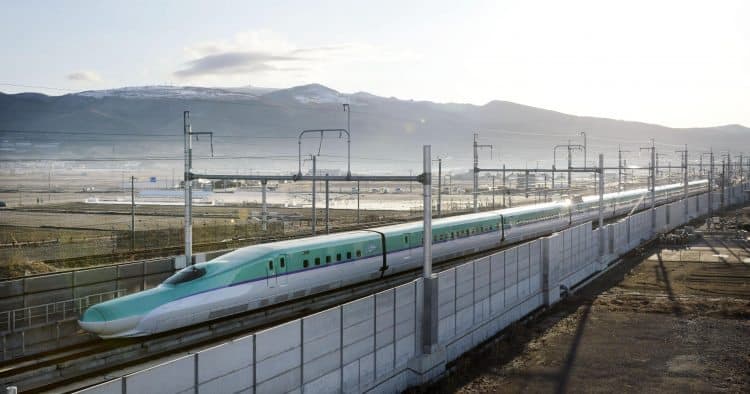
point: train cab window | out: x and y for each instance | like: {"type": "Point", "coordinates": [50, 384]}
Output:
{"type": "Point", "coordinates": [305, 263]}
{"type": "Point", "coordinates": [328, 259]}
{"type": "Point", "coordinates": [270, 265]}
{"type": "Point", "coordinates": [348, 255]}
{"type": "Point", "coordinates": [359, 253]}
{"type": "Point", "coordinates": [317, 261]}
{"type": "Point", "coordinates": [281, 262]}
{"type": "Point", "coordinates": [185, 275]}
{"type": "Point", "coordinates": [338, 256]}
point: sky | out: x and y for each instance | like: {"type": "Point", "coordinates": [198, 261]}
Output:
{"type": "Point", "coordinates": [676, 63]}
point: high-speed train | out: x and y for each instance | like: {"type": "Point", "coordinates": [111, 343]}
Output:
{"type": "Point", "coordinates": [260, 275]}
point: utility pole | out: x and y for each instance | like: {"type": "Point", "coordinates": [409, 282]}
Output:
{"type": "Point", "coordinates": [652, 166]}
{"type": "Point", "coordinates": [585, 155]}
{"type": "Point", "coordinates": [601, 204]}
{"type": "Point", "coordinates": [742, 177]}
{"type": "Point", "coordinates": [188, 184]}
{"type": "Point", "coordinates": [476, 169]}
{"type": "Point", "coordinates": [264, 205]}
{"type": "Point", "coordinates": [684, 166]}
{"type": "Point", "coordinates": [570, 163]}
{"type": "Point", "coordinates": [440, 188]}
{"type": "Point", "coordinates": [358, 202]}
{"type": "Point", "coordinates": [314, 214]}
{"type": "Point", "coordinates": [504, 186]}
{"type": "Point", "coordinates": [723, 183]}
{"type": "Point", "coordinates": [493, 191]}
{"type": "Point", "coordinates": [711, 184]}
{"type": "Point", "coordinates": [132, 213]}
{"type": "Point", "coordinates": [349, 138]}
{"type": "Point", "coordinates": [427, 219]}
{"type": "Point", "coordinates": [728, 179]}
{"type": "Point", "coordinates": [328, 230]}
{"type": "Point", "coordinates": [620, 165]}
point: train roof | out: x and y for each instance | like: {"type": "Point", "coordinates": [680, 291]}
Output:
{"type": "Point", "coordinates": [453, 220]}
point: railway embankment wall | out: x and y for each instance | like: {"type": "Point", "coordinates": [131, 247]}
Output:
{"type": "Point", "coordinates": [39, 313]}
{"type": "Point", "coordinates": [380, 343]}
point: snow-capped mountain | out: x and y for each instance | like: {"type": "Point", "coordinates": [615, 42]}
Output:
{"type": "Point", "coordinates": [306, 94]}
{"type": "Point", "coordinates": [179, 92]}
{"type": "Point", "coordinates": [384, 127]}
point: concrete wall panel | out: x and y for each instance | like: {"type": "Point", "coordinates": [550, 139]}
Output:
{"type": "Point", "coordinates": [130, 285]}
{"type": "Point", "coordinates": [321, 335]}
{"type": "Point", "coordinates": [227, 367]}
{"type": "Point", "coordinates": [130, 270]}
{"type": "Point", "coordinates": [384, 318]}
{"type": "Point", "coordinates": [524, 271]}
{"type": "Point", "coordinates": [158, 266]}
{"type": "Point", "coordinates": [155, 279]}
{"type": "Point", "coordinates": [283, 383]}
{"type": "Point", "coordinates": [359, 344]}
{"type": "Point", "coordinates": [481, 289]}
{"type": "Point", "coordinates": [48, 297]}
{"type": "Point", "coordinates": [511, 277]}
{"type": "Point", "coordinates": [8, 304]}
{"type": "Point", "coordinates": [96, 288]}
{"type": "Point", "coordinates": [535, 265]}
{"type": "Point", "coordinates": [328, 383]}
{"type": "Point", "coordinates": [277, 355]}
{"type": "Point", "coordinates": [176, 376]}
{"type": "Point", "coordinates": [10, 288]}
{"type": "Point", "coordinates": [96, 275]}
{"type": "Point", "coordinates": [49, 282]}
{"type": "Point", "coordinates": [497, 283]}
{"type": "Point", "coordinates": [446, 304]}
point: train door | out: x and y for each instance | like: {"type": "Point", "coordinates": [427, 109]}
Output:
{"type": "Point", "coordinates": [271, 271]}
{"type": "Point", "coordinates": [281, 263]}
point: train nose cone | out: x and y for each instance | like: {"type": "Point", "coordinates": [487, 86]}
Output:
{"type": "Point", "coordinates": [93, 321]}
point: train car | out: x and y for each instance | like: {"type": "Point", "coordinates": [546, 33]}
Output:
{"type": "Point", "coordinates": [261, 275]}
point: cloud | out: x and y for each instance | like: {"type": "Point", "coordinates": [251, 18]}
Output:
{"type": "Point", "coordinates": [266, 53]}
{"type": "Point", "coordinates": [85, 76]}
{"type": "Point", "coordinates": [234, 63]}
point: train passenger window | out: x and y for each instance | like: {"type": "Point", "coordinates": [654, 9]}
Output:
{"type": "Point", "coordinates": [281, 262]}
{"type": "Point", "coordinates": [406, 239]}
{"type": "Point", "coordinates": [348, 255]}
{"type": "Point", "coordinates": [452, 235]}
{"type": "Point", "coordinates": [305, 263]}
{"type": "Point", "coordinates": [317, 261]}
{"type": "Point", "coordinates": [185, 275]}
{"type": "Point", "coordinates": [270, 265]}
{"type": "Point", "coordinates": [359, 253]}
{"type": "Point", "coordinates": [338, 256]}
{"type": "Point", "coordinates": [328, 259]}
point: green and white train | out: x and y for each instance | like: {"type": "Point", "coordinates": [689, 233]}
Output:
{"type": "Point", "coordinates": [261, 275]}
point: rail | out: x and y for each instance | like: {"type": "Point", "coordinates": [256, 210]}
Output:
{"type": "Point", "coordinates": [40, 315]}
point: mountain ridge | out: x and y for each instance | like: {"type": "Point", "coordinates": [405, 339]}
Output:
{"type": "Point", "coordinates": [386, 127]}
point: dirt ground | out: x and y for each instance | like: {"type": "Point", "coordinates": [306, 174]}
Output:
{"type": "Point", "coordinates": [673, 320]}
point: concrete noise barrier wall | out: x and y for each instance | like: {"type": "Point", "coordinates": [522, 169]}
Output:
{"type": "Point", "coordinates": [374, 344]}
